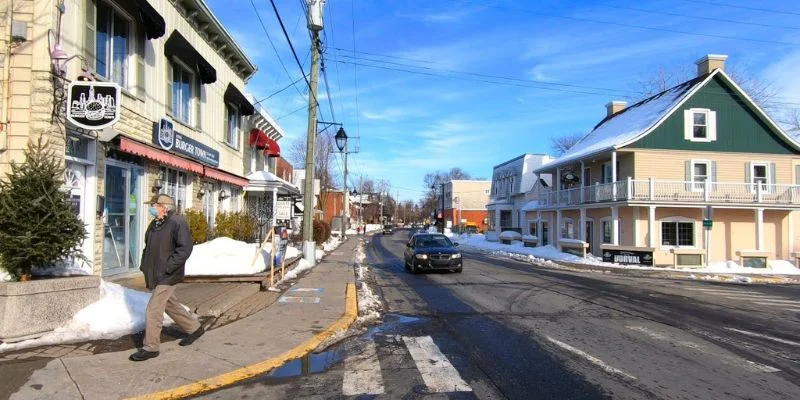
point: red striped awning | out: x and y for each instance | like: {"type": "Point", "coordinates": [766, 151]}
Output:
{"type": "Point", "coordinates": [224, 176]}
{"type": "Point", "coordinates": [273, 149]}
{"type": "Point", "coordinates": [131, 146]}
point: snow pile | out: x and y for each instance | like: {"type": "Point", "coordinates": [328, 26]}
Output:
{"type": "Point", "coordinates": [120, 311]}
{"type": "Point", "coordinates": [550, 255]}
{"type": "Point", "coordinates": [510, 235]}
{"type": "Point", "coordinates": [369, 305]}
{"type": "Point", "coordinates": [331, 244]}
{"type": "Point", "coordinates": [4, 276]}
{"type": "Point", "coordinates": [225, 256]}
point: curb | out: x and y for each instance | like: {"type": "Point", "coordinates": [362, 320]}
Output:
{"type": "Point", "coordinates": [213, 383]}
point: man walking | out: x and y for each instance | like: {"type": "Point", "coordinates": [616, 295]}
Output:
{"type": "Point", "coordinates": [168, 244]}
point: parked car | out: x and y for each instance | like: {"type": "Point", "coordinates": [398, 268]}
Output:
{"type": "Point", "coordinates": [388, 229]}
{"type": "Point", "coordinates": [432, 251]}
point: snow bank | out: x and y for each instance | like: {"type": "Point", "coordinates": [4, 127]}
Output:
{"type": "Point", "coordinates": [545, 255]}
{"type": "Point", "coordinates": [510, 235]}
{"type": "Point", "coordinates": [369, 304]}
{"type": "Point", "coordinates": [4, 276]}
{"type": "Point", "coordinates": [120, 311]}
{"type": "Point", "coordinates": [225, 256]}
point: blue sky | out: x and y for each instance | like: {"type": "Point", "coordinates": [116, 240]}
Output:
{"type": "Point", "coordinates": [493, 79]}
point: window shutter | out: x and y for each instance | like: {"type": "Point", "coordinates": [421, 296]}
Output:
{"type": "Point", "coordinates": [797, 174]}
{"type": "Point", "coordinates": [225, 124]}
{"type": "Point", "coordinates": [687, 124]}
{"type": "Point", "coordinates": [197, 101]}
{"type": "Point", "coordinates": [713, 177]}
{"type": "Point", "coordinates": [772, 177]}
{"type": "Point", "coordinates": [712, 125]}
{"type": "Point", "coordinates": [140, 63]}
{"type": "Point", "coordinates": [89, 38]}
{"type": "Point", "coordinates": [169, 87]}
{"type": "Point", "coordinates": [748, 168]}
{"type": "Point", "coordinates": [688, 170]}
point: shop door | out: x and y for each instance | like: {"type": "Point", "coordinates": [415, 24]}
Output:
{"type": "Point", "coordinates": [123, 219]}
{"type": "Point", "coordinates": [589, 237]}
{"type": "Point", "coordinates": [75, 189]}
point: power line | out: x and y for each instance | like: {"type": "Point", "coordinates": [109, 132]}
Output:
{"type": "Point", "coordinates": [713, 3]}
{"type": "Point", "coordinates": [625, 25]}
{"type": "Point", "coordinates": [305, 107]}
{"type": "Point", "coordinates": [385, 55]}
{"type": "Point", "coordinates": [279, 91]}
{"type": "Point", "coordinates": [291, 46]}
{"type": "Point", "coordinates": [269, 38]}
{"type": "Point", "coordinates": [355, 68]}
{"type": "Point", "coordinates": [698, 17]}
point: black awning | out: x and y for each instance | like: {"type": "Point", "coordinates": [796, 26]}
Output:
{"type": "Point", "coordinates": [152, 21]}
{"type": "Point", "coordinates": [179, 47]}
{"type": "Point", "coordinates": [233, 95]}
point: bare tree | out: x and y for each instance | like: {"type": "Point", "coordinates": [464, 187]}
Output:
{"type": "Point", "coordinates": [561, 144]}
{"type": "Point", "coordinates": [323, 164]}
{"type": "Point", "coordinates": [791, 122]}
{"type": "Point", "coordinates": [432, 200]}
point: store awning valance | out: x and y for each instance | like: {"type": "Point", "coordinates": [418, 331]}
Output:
{"type": "Point", "coordinates": [258, 139]}
{"type": "Point", "coordinates": [234, 96]}
{"type": "Point", "coordinates": [273, 150]}
{"type": "Point", "coordinates": [178, 46]}
{"type": "Point", "coordinates": [152, 22]}
{"type": "Point", "coordinates": [224, 176]}
{"type": "Point", "coordinates": [131, 146]}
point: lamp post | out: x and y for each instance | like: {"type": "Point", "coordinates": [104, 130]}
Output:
{"type": "Point", "coordinates": [441, 210]}
{"type": "Point", "coordinates": [341, 144]}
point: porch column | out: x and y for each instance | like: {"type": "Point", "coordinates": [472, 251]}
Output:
{"type": "Point", "coordinates": [760, 229]}
{"type": "Point", "coordinates": [274, 206]}
{"type": "Point", "coordinates": [791, 234]}
{"type": "Point", "coordinates": [582, 183]}
{"type": "Point", "coordinates": [557, 184]}
{"type": "Point", "coordinates": [539, 233]}
{"type": "Point", "coordinates": [614, 175]}
{"type": "Point", "coordinates": [557, 230]}
{"type": "Point", "coordinates": [615, 226]}
{"type": "Point", "coordinates": [497, 221]}
{"type": "Point", "coordinates": [651, 227]}
{"type": "Point", "coordinates": [583, 224]}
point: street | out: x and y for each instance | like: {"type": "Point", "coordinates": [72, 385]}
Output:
{"type": "Point", "coordinates": [506, 329]}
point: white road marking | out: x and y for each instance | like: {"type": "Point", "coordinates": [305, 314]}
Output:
{"type": "Point", "coordinates": [777, 303]}
{"type": "Point", "coordinates": [724, 358]}
{"type": "Point", "coordinates": [437, 372]}
{"type": "Point", "coordinates": [721, 291]}
{"type": "Point", "coordinates": [363, 372]}
{"type": "Point", "coordinates": [754, 297]}
{"type": "Point", "coordinates": [592, 359]}
{"type": "Point", "coordinates": [763, 336]}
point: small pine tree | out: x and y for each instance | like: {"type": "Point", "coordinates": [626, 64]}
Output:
{"type": "Point", "coordinates": [39, 225]}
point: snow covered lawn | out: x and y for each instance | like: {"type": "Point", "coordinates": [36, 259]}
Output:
{"type": "Point", "coordinates": [549, 255]}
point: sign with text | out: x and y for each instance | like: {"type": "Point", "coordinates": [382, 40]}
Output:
{"type": "Point", "coordinates": [168, 139]}
{"type": "Point", "coordinates": [284, 210]}
{"type": "Point", "coordinates": [93, 105]}
{"type": "Point", "coordinates": [628, 257]}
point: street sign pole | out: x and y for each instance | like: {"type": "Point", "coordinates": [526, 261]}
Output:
{"type": "Point", "coordinates": [707, 224]}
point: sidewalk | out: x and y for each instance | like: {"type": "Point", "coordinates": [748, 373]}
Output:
{"type": "Point", "coordinates": [319, 304]}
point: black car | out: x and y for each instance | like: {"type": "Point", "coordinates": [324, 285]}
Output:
{"type": "Point", "coordinates": [388, 229]}
{"type": "Point", "coordinates": [432, 251]}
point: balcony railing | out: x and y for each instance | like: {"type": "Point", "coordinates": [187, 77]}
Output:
{"type": "Point", "coordinates": [673, 191]}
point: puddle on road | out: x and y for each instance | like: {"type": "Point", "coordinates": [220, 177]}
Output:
{"type": "Point", "coordinates": [315, 363]}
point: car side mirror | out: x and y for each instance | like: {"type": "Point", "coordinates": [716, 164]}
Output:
{"type": "Point", "coordinates": [455, 243]}
{"type": "Point", "coordinates": [409, 245]}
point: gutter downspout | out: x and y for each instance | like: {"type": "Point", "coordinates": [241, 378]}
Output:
{"type": "Point", "coordinates": [6, 81]}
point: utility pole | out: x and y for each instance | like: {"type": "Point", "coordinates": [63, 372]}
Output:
{"type": "Point", "coordinates": [314, 26]}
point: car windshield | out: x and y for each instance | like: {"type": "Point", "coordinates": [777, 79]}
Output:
{"type": "Point", "coordinates": [433, 241]}
{"type": "Point", "coordinates": [387, 227]}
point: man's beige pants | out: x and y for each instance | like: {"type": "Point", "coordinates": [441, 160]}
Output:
{"type": "Point", "coordinates": [163, 300]}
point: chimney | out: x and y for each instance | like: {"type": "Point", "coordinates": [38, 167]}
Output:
{"type": "Point", "coordinates": [709, 63]}
{"type": "Point", "coordinates": [615, 107]}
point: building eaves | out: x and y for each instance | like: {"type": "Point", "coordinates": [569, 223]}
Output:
{"type": "Point", "coordinates": [197, 13]}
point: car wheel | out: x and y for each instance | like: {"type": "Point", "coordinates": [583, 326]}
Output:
{"type": "Point", "coordinates": [413, 267]}
{"type": "Point", "coordinates": [458, 270]}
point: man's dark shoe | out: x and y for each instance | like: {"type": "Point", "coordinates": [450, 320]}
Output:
{"type": "Point", "coordinates": [192, 337]}
{"type": "Point", "coordinates": [142, 355]}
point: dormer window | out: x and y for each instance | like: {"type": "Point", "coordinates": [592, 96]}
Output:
{"type": "Point", "coordinates": [700, 125]}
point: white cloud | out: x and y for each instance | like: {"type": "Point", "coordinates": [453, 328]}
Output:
{"type": "Point", "coordinates": [440, 16]}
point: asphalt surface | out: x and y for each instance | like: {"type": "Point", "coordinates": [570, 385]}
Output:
{"type": "Point", "coordinates": [507, 329]}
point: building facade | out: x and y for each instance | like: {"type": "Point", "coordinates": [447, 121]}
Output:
{"type": "Point", "coordinates": [695, 174]}
{"type": "Point", "coordinates": [465, 203]}
{"type": "Point", "coordinates": [184, 113]}
{"type": "Point", "coordinates": [511, 181]}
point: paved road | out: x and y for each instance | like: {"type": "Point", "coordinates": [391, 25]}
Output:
{"type": "Point", "coordinates": [506, 329]}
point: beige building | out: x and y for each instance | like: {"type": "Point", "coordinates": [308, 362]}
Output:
{"type": "Point", "coordinates": [185, 121]}
{"type": "Point", "coordinates": [465, 203]}
{"type": "Point", "coordinates": [696, 173]}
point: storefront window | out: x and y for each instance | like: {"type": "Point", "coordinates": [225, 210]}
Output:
{"type": "Point", "coordinates": [677, 234]}
{"type": "Point", "coordinates": [174, 184]}
{"type": "Point", "coordinates": [235, 194]}
{"type": "Point", "coordinates": [532, 229]}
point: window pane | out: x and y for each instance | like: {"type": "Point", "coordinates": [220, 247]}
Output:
{"type": "Point", "coordinates": [176, 91]}
{"type": "Point", "coordinates": [700, 170]}
{"type": "Point", "coordinates": [699, 118]}
{"type": "Point", "coordinates": [700, 131]}
{"type": "Point", "coordinates": [760, 171]}
{"type": "Point", "coordinates": [532, 230]}
{"type": "Point", "coordinates": [186, 96]}
{"type": "Point", "coordinates": [686, 234]}
{"type": "Point", "coordinates": [669, 234]}
{"type": "Point", "coordinates": [545, 233]}
{"type": "Point", "coordinates": [606, 225]}
{"type": "Point", "coordinates": [102, 38]}
{"type": "Point", "coordinates": [119, 46]}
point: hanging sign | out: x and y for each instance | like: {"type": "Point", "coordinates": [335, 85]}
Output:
{"type": "Point", "coordinates": [93, 105]}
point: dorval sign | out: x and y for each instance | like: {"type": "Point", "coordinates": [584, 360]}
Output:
{"type": "Point", "coordinates": [93, 105]}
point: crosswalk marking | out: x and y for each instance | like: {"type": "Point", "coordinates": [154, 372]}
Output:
{"type": "Point", "coordinates": [761, 335]}
{"type": "Point", "coordinates": [363, 372]}
{"type": "Point", "coordinates": [724, 358]}
{"type": "Point", "coordinates": [721, 291]}
{"type": "Point", "coordinates": [777, 303]}
{"type": "Point", "coordinates": [437, 372]}
{"type": "Point", "coordinates": [753, 297]}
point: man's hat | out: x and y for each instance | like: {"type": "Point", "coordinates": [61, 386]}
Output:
{"type": "Point", "coordinates": [161, 199]}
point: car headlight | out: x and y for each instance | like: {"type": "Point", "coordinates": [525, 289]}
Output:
{"type": "Point", "coordinates": [421, 256]}
{"type": "Point", "coordinates": [455, 256]}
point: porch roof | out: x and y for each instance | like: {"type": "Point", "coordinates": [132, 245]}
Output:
{"type": "Point", "coordinates": [262, 181]}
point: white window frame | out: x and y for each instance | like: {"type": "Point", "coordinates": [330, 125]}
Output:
{"type": "Point", "coordinates": [564, 232]}
{"type": "Point", "coordinates": [676, 220]}
{"type": "Point", "coordinates": [607, 220]}
{"type": "Point", "coordinates": [753, 184]}
{"type": "Point", "coordinates": [232, 138]}
{"type": "Point", "coordinates": [608, 173]}
{"type": "Point", "coordinates": [711, 124]}
{"type": "Point", "coordinates": [177, 189]}
{"type": "Point", "coordinates": [131, 38]}
{"type": "Point", "coordinates": [194, 96]}
{"type": "Point", "coordinates": [695, 186]}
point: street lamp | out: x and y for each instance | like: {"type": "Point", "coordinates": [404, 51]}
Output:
{"type": "Point", "coordinates": [341, 144]}
{"type": "Point", "coordinates": [441, 210]}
